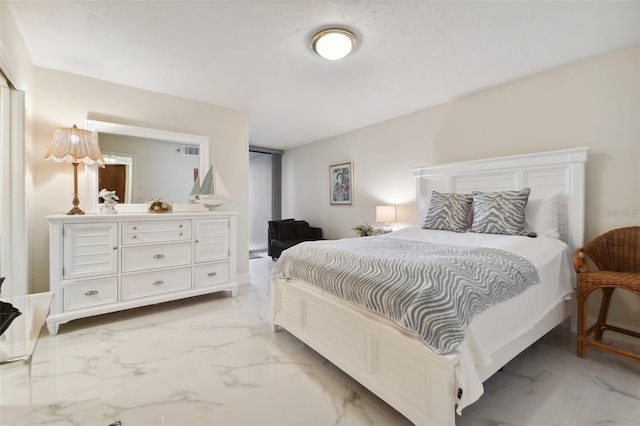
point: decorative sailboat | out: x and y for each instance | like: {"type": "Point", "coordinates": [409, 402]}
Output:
{"type": "Point", "coordinates": [211, 193]}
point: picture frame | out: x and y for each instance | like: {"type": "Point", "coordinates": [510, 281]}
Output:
{"type": "Point", "coordinates": [341, 184]}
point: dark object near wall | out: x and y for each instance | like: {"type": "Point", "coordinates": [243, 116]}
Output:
{"type": "Point", "coordinates": [7, 313]}
{"type": "Point", "coordinates": [287, 233]}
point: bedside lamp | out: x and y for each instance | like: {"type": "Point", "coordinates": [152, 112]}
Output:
{"type": "Point", "coordinates": [386, 214]}
{"type": "Point", "coordinates": [74, 145]}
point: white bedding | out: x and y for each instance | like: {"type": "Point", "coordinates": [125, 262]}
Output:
{"type": "Point", "coordinates": [494, 328]}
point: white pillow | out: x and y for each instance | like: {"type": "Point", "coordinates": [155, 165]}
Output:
{"type": "Point", "coordinates": [423, 209]}
{"type": "Point", "coordinates": [541, 214]}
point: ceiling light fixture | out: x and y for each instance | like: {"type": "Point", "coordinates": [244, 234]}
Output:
{"type": "Point", "coordinates": [333, 43]}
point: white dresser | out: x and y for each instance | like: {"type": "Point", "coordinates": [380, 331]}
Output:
{"type": "Point", "coordinates": [107, 263]}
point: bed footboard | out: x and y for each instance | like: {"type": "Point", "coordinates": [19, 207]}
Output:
{"type": "Point", "coordinates": [398, 368]}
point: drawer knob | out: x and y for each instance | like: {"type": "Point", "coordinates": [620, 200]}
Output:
{"type": "Point", "coordinates": [211, 274]}
{"type": "Point", "coordinates": [158, 256]}
{"type": "Point", "coordinates": [115, 248]}
{"type": "Point", "coordinates": [197, 241]}
{"type": "Point", "coordinates": [135, 227]}
{"type": "Point", "coordinates": [134, 237]}
{"type": "Point", "coordinates": [158, 282]}
{"type": "Point", "coordinates": [180, 226]}
{"type": "Point", "coordinates": [91, 293]}
{"type": "Point", "coordinates": [181, 234]}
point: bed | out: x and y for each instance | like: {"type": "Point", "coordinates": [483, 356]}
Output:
{"type": "Point", "coordinates": [395, 362]}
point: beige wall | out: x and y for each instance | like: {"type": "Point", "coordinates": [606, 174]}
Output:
{"type": "Point", "coordinates": [595, 103]}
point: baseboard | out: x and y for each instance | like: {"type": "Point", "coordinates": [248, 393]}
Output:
{"type": "Point", "coordinates": [617, 336]}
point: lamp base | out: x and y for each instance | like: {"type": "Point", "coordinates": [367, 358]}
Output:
{"type": "Point", "coordinates": [76, 201]}
{"type": "Point", "coordinates": [75, 210]}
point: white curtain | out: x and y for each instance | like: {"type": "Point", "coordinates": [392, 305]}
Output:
{"type": "Point", "coordinates": [13, 232]}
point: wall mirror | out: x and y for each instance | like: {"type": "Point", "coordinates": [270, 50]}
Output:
{"type": "Point", "coordinates": [146, 164]}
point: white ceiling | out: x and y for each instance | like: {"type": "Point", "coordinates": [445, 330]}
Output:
{"type": "Point", "coordinates": [255, 56]}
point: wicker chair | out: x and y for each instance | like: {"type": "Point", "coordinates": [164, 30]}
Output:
{"type": "Point", "coordinates": [616, 254]}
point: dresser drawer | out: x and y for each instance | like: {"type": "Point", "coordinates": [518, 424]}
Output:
{"type": "Point", "coordinates": [155, 256]}
{"type": "Point", "coordinates": [155, 282]}
{"type": "Point", "coordinates": [156, 231]}
{"type": "Point", "coordinates": [90, 293]}
{"type": "Point", "coordinates": [212, 273]}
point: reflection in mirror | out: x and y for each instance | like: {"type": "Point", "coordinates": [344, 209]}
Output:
{"type": "Point", "coordinates": [151, 165]}
{"type": "Point", "coordinates": [116, 174]}
{"type": "Point", "coordinates": [167, 171]}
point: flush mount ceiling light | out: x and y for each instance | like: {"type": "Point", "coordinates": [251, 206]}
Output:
{"type": "Point", "coordinates": [333, 43]}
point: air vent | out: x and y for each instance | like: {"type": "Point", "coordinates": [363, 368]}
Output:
{"type": "Point", "coordinates": [191, 150]}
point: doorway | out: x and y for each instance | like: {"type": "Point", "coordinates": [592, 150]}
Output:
{"type": "Point", "coordinates": [264, 196]}
{"type": "Point", "coordinates": [113, 176]}
{"type": "Point", "coordinates": [13, 228]}
{"type": "Point", "coordinates": [117, 175]}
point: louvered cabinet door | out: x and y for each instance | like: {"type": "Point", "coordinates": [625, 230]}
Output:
{"type": "Point", "coordinates": [211, 240]}
{"type": "Point", "coordinates": [90, 249]}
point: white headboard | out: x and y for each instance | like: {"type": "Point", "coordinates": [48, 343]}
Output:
{"type": "Point", "coordinates": [544, 172]}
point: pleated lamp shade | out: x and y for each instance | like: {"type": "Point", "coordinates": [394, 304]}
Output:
{"type": "Point", "coordinates": [74, 145]}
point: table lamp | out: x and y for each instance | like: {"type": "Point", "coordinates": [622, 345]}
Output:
{"type": "Point", "coordinates": [386, 214]}
{"type": "Point", "coordinates": [74, 145]}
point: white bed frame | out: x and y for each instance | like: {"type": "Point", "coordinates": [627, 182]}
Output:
{"type": "Point", "coordinates": [394, 365]}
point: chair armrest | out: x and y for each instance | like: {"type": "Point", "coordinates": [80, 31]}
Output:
{"type": "Point", "coordinates": [580, 262]}
{"type": "Point", "coordinates": [317, 232]}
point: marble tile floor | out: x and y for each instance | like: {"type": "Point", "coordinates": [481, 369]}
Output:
{"type": "Point", "coordinates": [213, 360]}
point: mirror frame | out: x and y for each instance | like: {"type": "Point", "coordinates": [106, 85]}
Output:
{"type": "Point", "coordinates": [91, 170]}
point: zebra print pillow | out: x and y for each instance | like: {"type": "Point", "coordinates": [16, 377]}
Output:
{"type": "Point", "coordinates": [500, 212]}
{"type": "Point", "coordinates": [448, 212]}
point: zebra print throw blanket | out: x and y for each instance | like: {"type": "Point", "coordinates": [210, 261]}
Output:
{"type": "Point", "coordinates": [432, 289]}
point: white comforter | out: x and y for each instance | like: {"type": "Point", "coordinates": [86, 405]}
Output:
{"type": "Point", "coordinates": [430, 288]}
{"type": "Point", "coordinates": [494, 328]}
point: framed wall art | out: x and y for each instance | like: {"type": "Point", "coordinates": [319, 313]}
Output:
{"type": "Point", "coordinates": [341, 184]}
